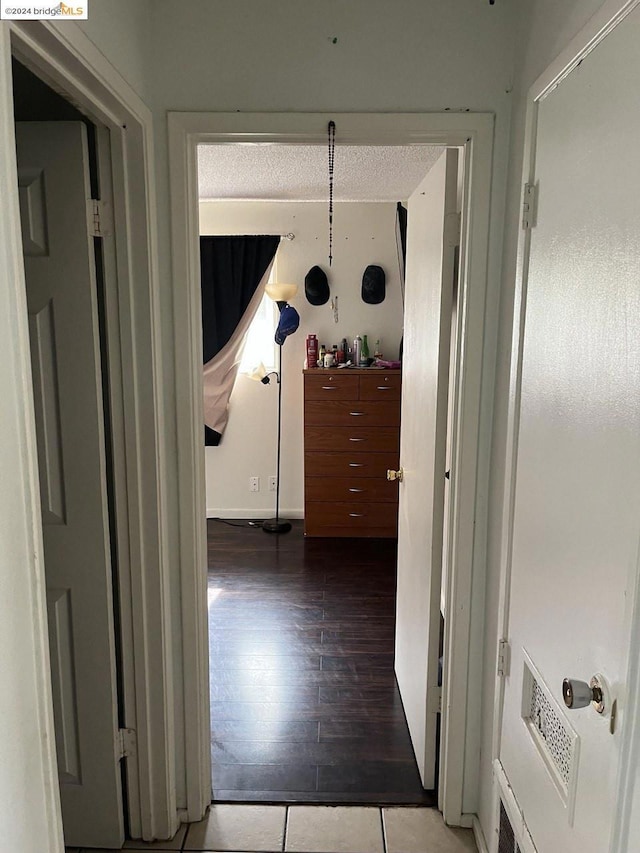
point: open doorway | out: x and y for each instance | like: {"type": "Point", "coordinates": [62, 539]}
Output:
{"type": "Point", "coordinates": [305, 705]}
{"type": "Point", "coordinates": [472, 133]}
{"type": "Point", "coordinates": [73, 96]}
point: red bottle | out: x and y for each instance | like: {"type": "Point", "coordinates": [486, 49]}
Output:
{"type": "Point", "coordinates": [312, 351]}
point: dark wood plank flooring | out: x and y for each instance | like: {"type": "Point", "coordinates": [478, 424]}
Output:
{"type": "Point", "coordinates": [304, 703]}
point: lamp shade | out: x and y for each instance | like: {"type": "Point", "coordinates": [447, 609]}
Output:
{"type": "Point", "coordinates": [280, 291]}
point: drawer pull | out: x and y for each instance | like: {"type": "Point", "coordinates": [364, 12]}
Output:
{"type": "Point", "coordinates": [356, 414]}
{"type": "Point", "coordinates": [328, 387]}
{"type": "Point", "coordinates": [356, 514]}
{"type": "Point", "coordinates": [357, 439]}
{"type": "Point", "coordinates": [356, 464]}
{"type": "Point", "coordinates": [356, 490]}
{"type": "Point", "coordinates": [383, 387]}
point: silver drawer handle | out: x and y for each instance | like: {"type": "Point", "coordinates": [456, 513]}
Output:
{"type": "Point", "coordinates": [356, 514]}
{"type": "Point", "coordinates": [357, 439]}
{"type": "Point", "coordinates": [383, 387]}
{"type": "Point", "coordinates": [356, 490]}
{"type": "Point", "coordinates": [356, 464]}
{"type": "Point", "coordinates": [356, 414]}
{"type": "Point", "coordinates": [328, 387]}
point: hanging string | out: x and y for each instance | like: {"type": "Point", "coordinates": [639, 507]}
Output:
{"type": "Point", "coordinates": [331, 131]}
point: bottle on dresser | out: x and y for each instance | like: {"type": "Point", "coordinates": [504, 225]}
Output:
{"type": "Point", "coordinates": [357, 350]}
{"type": "Point", "coordinates": [364, 352]}
{"type": "Point", "coordinates": [312, 351]}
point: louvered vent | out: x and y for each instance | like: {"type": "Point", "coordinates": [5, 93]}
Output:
{"type": "Point", "coordinates": [551, 727]}
{"type": "Point", "coordinates": [551, 732]}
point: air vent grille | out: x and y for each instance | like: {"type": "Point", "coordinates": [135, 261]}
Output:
{"type": "Point", "coordinates": [551, 732]}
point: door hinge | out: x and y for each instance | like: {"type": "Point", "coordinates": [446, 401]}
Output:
{"type": "Point", "coordinates": [99, 217]}
{"type": "Point", "coordinates": [434, 700]}
{"type": "Point", "coordinates": [127, 743]}
{"type": "Point", "coordinates": [528, 206]}
{"type": "Point", "coordinates": [504, 658]}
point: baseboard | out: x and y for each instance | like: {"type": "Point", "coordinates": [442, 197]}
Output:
{"type": "Point", "coordinates": [254, 513]}
{"type": "Point", "coordinates": [478, 834]}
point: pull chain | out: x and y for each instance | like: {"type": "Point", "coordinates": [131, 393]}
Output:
{"type": "Point", "coordinates": [331, 130]}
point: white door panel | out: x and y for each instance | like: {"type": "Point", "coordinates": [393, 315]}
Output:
{"type": "Point", "coordinates": [575, 539]}
{"type": "Point", "coordinates": [431, 240]}
{"type": "Point", "coordinates": [61, 301]}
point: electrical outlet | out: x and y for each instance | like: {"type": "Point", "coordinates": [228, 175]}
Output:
{"type": "Point", "coordinates": [254, 484]}
{"type": "Point", "coordinates": [273, 484]}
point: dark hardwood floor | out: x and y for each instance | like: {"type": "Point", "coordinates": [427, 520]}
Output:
{"type": "Point", "coordinates": [304, 703]}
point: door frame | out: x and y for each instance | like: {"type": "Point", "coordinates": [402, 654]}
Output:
{"type": "Point", "coordinates": [612, 13]}
{"type": "Point", "coordinates": [473, 134]}
{"type": "Point", "coordinates": [64, 58]}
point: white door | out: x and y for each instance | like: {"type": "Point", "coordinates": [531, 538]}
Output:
{"type": "Point", "coordinates": [576, 528]}
{"type": "Point", "coordinates": [432, 234]}
{"type": "Point", "coordinates": [53, 174]}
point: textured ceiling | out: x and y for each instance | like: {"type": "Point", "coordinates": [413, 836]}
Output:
{"type": "Point", "coordinates": [300, 172]}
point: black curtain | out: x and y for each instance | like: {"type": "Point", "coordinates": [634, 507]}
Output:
{"type": "Point", "coordinates": [401, 240]}
{"type": "Point", "coordinates": [230, 270]}
{"type": "Point", "coordinates": [401, 237]}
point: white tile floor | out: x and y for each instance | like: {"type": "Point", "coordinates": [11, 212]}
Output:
{"type": "Point", "coordinates": [315, 829]}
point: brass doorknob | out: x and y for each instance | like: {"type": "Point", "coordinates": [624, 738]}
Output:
{"type": "Point", "coordinates": [395, 475]}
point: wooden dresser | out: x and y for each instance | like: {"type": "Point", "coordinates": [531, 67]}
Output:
{"type": "Point", "coordinates": [351, 438]}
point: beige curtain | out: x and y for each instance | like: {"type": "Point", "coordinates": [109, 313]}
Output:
{"type": "Point", "coordinates": [219, 374]}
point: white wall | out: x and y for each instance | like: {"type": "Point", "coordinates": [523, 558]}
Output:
{"type": "Point", "coordinates": [364, 233]}
{"type": "Point", "coordinates": [121, 29]}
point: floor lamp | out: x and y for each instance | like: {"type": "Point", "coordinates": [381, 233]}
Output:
{"type": "Point", "coordinates": [287, 325]}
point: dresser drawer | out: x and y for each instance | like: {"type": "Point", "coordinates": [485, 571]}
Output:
{"type": "Point", "coordinates": [372, 519]}
{"type": "Point", "coordinates": [380, 386]}
{"type": "Point", "coordinates": [331, 386]}
{"type": "Point", "coordinates": [354, 439]}
{"type": "Point", "coordinates": [345, 489]}
{"type": "Point", "coordinates": [346, 413]}
{"type": "Point", "coordinates": [331, 464]}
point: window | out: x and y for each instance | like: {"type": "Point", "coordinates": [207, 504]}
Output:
{"type": "Point", "coordinates": [260, 345]}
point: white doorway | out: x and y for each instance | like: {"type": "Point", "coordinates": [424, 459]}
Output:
{"type": "Point", "coordinates": [186, 132]}
{"type": "Point", "coordinates": [88, 84]}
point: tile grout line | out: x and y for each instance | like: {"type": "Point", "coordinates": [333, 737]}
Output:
{"type": "Point", "coordinates": [384, 834]}
{"type": "Point", "coordinates": [286, 825]}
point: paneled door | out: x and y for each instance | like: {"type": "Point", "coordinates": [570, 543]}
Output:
{"type": "Point", "coordinates": [577, 490]}
{"type": "Point", "coordinates": [432, 237]}
{"type": "Point", "coordinates": [53, 174]}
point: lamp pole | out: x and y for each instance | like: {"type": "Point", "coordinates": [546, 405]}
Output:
{"type": "Point", "coordinates": [274, 525]}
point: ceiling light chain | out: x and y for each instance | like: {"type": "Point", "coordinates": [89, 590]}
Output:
{"type": "Point", "coordinates": [331, 131]}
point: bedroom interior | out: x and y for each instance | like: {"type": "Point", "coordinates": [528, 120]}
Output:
{"type": "Point", "coordinates": [305, 705]}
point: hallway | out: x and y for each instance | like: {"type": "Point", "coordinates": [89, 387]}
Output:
{"type": "Point", "coordinates": [304, 703]}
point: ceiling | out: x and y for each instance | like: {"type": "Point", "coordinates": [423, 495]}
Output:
{"type": "Point", "coordinates": [271, 172]}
